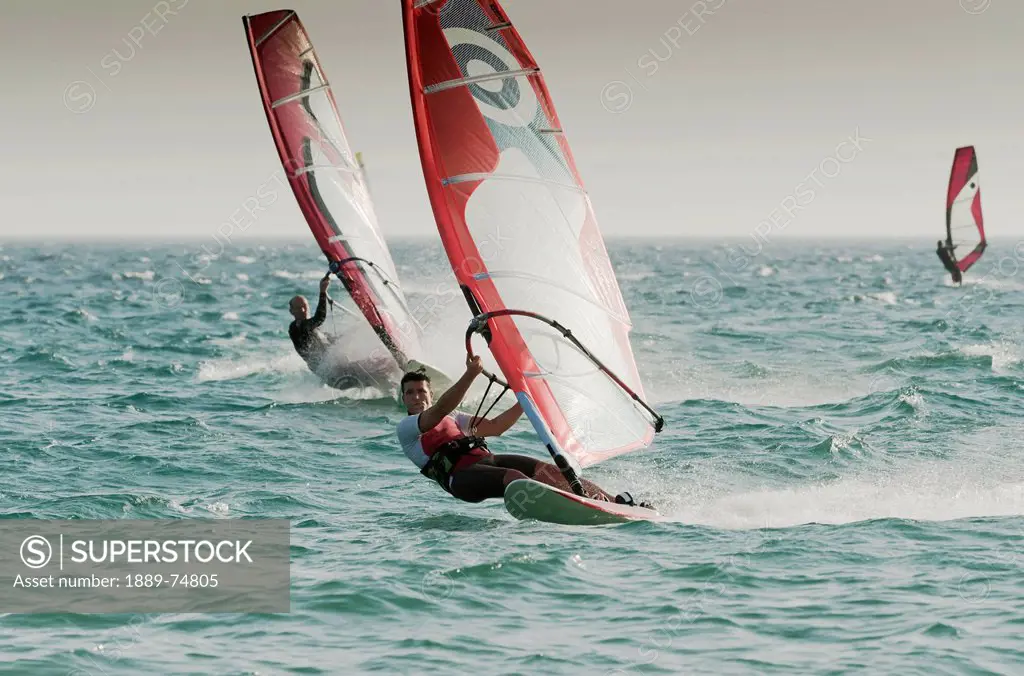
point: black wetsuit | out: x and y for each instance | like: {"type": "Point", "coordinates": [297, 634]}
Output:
{"type": "Point", "coordinates": [945, 254]}
{"type": "Point", "coordinates": [308, 341]}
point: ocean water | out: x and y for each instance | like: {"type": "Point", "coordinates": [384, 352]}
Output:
{"type": "Point", "coordinates": [842, 465]}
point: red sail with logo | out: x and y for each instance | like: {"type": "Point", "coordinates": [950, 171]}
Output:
{"type": "Point", "coordinates": [518, 227]}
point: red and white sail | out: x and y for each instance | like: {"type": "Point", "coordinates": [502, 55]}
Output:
{"type": "Point", "coordinates": [325, 175]}
{"type": "Point", "coordinates": [518, 227]}
{"type": "Point", "coordinates": [965, 227]}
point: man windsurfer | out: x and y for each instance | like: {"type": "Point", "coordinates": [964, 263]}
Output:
{"type": "Point", "coordinates": [446, 449]}
{"type": "Point", "coordinates": [315, 348]}
{"type": "Point", "coordinates": [945, 254]}
{"type": "Point", "coordinates": [309, 342]}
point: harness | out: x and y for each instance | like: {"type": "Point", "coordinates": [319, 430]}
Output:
{"type": "Point", "coordinates": [443, 460]}
{"type": "Point", "coordinates": [441, 463]}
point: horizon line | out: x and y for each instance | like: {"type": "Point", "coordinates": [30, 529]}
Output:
{"type": "Point", "coordinates": [115, 239]}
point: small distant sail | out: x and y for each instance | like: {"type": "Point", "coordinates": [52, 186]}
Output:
{"type": "Point", "coordinates": [965, 229]}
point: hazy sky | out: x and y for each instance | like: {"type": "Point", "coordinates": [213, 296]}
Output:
{"type": "Point", "coordinates": [706, 142]}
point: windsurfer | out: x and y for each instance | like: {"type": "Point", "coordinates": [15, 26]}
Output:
{"type": "Point", "coordinates": [315, 348]}
{"type": "Point", "coordinates": [448, 450]}
{"type": "Point", "coordinates": [945, 254]}
{"type": "Point", "coordinates": [309, 342]}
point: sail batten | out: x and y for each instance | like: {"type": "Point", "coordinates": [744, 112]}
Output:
{"type": "Point", "coordinates": [479, 79]}
{"type": "Point", "coordinates": [518, 227]}
{"type": "Point", "coordinates": [273, 29]}
{"type": "Point", "coordinates": [299, 95]}
{"type": "Point", "coordinates": [469, 178]}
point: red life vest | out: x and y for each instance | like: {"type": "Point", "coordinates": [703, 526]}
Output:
{"type": "Point", "coordinates": [449, 449]}
{"type": "Point", "coordinates": [445, 431]}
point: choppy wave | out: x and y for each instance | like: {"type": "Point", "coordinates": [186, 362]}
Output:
{"type": "Point", "coordinates": [842, 466]}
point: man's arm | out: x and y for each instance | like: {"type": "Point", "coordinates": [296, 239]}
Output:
{"type": "Point", "coordinates": [497, 426]}
{"type": "Point", "coordinates": [320, 315]}
{"type": "Point", "coordinates": [452, 397]}
{"type": "Point", "coordinates": [321, 312]}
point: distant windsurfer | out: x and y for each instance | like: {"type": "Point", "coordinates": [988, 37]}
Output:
{"type": "Point", "coordinates": [446, 449]}
{"type": "Point", "coordinates": [945, 252]}
{"type": "Point", "coordinates": [309, 342]}
{"type": "Point", "coordinates": [315, 348]}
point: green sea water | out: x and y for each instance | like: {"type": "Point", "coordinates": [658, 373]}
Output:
{"type": "Point", "coordinates": [842, 465]}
